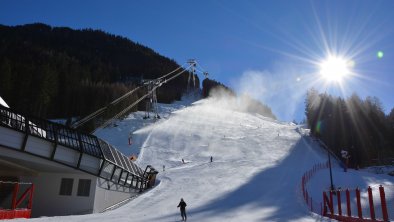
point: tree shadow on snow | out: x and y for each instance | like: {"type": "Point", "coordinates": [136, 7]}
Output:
{"type": "Point", "coordinates": [276, 189]}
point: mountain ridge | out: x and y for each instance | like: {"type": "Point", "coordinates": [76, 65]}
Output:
{"type": "Point", "coordinates": [63, 72]}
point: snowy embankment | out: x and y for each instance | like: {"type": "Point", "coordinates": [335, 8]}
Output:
{"type": "Point", "coordinates": [255, 174]}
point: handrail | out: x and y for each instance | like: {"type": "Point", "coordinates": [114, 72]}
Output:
{"type": "Point", "coordinates": [70, 138]}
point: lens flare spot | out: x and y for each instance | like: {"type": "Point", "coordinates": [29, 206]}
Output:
{"type": "Point", "coordinates": [379, 54]}
{"type": "Point", "coordinates": [351, 63]}
{"type": "Point", "coordinates": [318, 127]}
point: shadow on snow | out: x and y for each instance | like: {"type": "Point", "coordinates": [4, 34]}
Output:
{"type": "Point", "coordinates": [276, 189]}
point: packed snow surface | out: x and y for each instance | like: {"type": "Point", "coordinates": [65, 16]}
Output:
{"type": "Point", "coordinates": [255, 174]}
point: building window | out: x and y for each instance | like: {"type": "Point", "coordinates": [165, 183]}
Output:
{"type": "Point", "coordinates": [66, 187]}
{"type": "Point", "coordinates": [84, 187]}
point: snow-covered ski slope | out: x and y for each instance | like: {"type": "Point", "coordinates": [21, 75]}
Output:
{"type": "Point", "coordinates": [255, 174]}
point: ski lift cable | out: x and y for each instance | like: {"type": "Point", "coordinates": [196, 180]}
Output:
{"type": "Point", "coordinates": [101, 110]}
{"type": "Point", "coordinates": [171, 72]}
{"type": "Point", "coordinates": [125, 95]}
{"type": "Point", "coordinates": [125, 110]}
{"type": "Point", "coordinates": [87, 118]}
{"type": "Point", "coordinates": [120, 113]}
{"type": "Point", "coordinates": [200, 66]}
{"type": "Point", "coordinates": [135, 103]}
{"type": "Point", "coordinates": [173, 77]}
{"type": "Point", "coordinates": [176, 75]}
{"type": "Point", "coordinates": [165, 75]}
{"type": "Point", "coordinates": [199, 70]}
{"type": "Point", "coordinates": [202, 70]}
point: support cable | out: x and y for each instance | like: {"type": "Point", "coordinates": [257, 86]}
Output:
{"type": "Point", "coordinates": [101, 110]}
{"type": "Point", "coordinates": [171, 72]}
{"type": "Point", "coordinates": [136, 102]}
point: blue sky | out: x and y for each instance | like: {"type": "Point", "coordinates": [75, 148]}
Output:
{"type": "Point", "coordinates": [269, 49]}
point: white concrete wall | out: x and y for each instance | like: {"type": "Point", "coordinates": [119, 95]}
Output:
{"type": "Point", "coordinates": [46, 198]}
{"type": "Point", "coordinates": [11, 138]}
{"type": "Point", "coordinates": [90, 163]}
{"type": "Point", "coordinates": [48, 202]}
{"type": "Point", "coordinates": [109, 194]}
{"type": "Point", "coordinates": [67, 155]}
{"type": "Point", "coordinates": [39, 146]}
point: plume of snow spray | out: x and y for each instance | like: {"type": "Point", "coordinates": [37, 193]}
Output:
{"type": "Point", "coordinates": [242, 103]}
{"type": "Point", "coordinates": [283, 90]}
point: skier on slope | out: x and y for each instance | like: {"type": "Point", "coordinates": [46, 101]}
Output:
{"type": "Point", "coordinates": [182, 206]}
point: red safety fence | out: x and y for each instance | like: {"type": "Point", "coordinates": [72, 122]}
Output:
{"type": "Point", "coordinates": [371, 204]}
{"type": "Point", "coordinates": [316, 207]}
{"type": "Point", "coordinates": [15, 200]}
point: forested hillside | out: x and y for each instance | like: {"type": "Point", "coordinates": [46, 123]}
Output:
{"type": "Point", "coordinates": [358, 126]}
{"type": "Point", "coordinates": [57, 72]}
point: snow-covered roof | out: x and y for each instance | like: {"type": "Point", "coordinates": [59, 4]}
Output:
{"type": "Point", "coordinates": [3, 103]}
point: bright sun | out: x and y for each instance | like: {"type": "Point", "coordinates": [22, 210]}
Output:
{"type": "Point", "coordinates": [335, 69]}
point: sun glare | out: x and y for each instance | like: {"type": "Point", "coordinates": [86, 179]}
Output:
{"type": "Point", "coordinates": [335, 69]}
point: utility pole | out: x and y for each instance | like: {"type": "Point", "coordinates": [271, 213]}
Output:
{"type": "Point", "coordinates": [192, 63]}
{"type": "Point", "coordinates": [329, 165]}
{"type": "Point", "coordinates": [154, 102]}
{"type": "Point", "coordinates": [151, 102]}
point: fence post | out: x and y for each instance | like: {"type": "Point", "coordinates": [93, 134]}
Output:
{"type": "Point", "coordinates": [339, 202]}
{"type": "Point", "coordinates": [16, 189]}
{"type": "Point", "coordinates": [331, 204]}
{"type": "Point", "coordinates": [371, 207]}
{"type": "Point", "coordinates": [348, 208]}
{"type": "Point", "coordinates": [383, 202]}
{"type": "Point", "coordinates": [360, 212]}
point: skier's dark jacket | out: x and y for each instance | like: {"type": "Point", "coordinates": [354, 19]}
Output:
{"type": "Point", "coordinates": [182, 205]}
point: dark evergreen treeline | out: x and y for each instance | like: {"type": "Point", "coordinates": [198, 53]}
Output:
{"type": "Point", "coordinates": [248, 104]}
{"type": "Point", "coordinates": [255, 106]}
{"type": "Point", "coordinates": [57, 72]}
{"type": "Point", "coordinates": [355, 125]}
{"type": "Point", "coordinates": [209, 84]}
